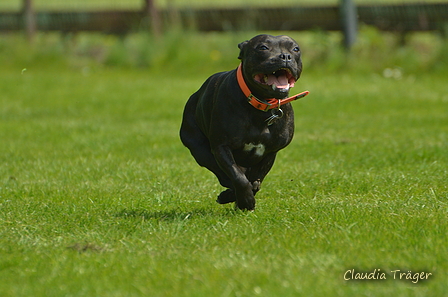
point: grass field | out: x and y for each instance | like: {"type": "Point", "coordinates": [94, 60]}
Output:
{"type": "Point", "coordinates": [99, 198]}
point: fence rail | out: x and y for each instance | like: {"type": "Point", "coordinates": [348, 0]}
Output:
{"type": "Point", "coordinates": [402, 18]}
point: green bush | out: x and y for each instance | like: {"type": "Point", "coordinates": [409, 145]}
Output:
{"type": "Point", "coordinates": [177, 50]}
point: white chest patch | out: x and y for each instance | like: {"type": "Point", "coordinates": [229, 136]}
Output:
{"type": "Point", "coordinates": [259, 148]}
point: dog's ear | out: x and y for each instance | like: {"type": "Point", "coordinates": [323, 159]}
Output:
{"type": "Point", "coordinates": [242, 46]}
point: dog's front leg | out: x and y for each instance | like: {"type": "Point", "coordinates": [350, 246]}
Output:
{"type": "Point", "coordinates": [258, 172]}
{"type": "Point", "coordinates": [243, 188]}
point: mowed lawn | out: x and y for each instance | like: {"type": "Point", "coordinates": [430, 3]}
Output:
{"type": "Point", "coordinates": [98, 197]}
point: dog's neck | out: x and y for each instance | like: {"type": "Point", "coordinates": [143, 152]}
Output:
{"type": "Point", "coordinates": [264, 105]}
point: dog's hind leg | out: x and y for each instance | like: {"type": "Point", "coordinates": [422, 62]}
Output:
{"type": "Point", "coordinates": [226, 196]}
{"type": "Point", "coordinates": [199, 146]}
{"type": "Point", "coordinates": [200, 150]}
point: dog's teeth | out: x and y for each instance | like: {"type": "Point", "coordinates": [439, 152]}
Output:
{"type": "Point", "coordinates": [286, 89]}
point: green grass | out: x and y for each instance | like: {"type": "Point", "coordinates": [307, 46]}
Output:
{"type": "Point", "coordinates": [99, 198]}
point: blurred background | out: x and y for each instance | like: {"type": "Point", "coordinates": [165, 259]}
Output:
{"type": "Point", "coordinates": [361, 35]}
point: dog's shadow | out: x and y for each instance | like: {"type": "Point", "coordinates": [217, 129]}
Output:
{"type": "Point", "coordinates": [175, 215]}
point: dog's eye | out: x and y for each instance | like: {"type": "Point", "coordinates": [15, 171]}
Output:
{"type": "Point", "coordinates": [296, 49]}
{"type": "Point", "coordinates": [263, 48]}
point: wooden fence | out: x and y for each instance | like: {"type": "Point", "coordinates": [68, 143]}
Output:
{"type": "Point", "coordinates": [402, 18]}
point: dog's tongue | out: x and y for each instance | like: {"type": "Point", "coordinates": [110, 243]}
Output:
{"type": "Point", "coordinates": [281, 82]}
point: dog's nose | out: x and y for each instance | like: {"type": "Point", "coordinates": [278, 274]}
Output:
{"type": "Point", "coordinates": [285, 57]}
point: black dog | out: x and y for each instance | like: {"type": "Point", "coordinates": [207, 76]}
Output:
{"type": "Point", "coordinates": [238, 120]}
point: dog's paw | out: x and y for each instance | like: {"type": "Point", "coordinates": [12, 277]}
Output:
{"type": "Point", "coordinates": [245, 198]}
{"type": "Point", "coordinates": [246, 204]}
{"type": "Point", "coordinates": [226, 196]}
{"type": "Point", "coordinates": [256, 185]}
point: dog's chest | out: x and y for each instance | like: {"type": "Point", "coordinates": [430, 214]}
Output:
{"type": "Point", "coordinates": [259, 144]}
{"type": "Point", "coordinates": [256, 149]}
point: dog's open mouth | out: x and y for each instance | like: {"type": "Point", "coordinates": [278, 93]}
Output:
{"type": "Point", "coordinates": [281, 80]}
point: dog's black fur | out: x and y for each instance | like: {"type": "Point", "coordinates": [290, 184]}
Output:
{"type": "Point", "coordinates": [229, 136]}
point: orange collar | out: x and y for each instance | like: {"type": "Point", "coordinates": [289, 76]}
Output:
{"type": "Point", "coordinates": [259, 104]}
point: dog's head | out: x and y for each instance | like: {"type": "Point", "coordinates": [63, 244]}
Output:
{"type": "Point", "coordinates": [271, 65]}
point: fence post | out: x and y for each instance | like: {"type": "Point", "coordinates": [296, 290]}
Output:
{"type": "Point", "coordinates": [152, 12]}
{"type": "Point", "coordinates": [349, 17]}
{"type": "Point", "coordinates": [29, 17]}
